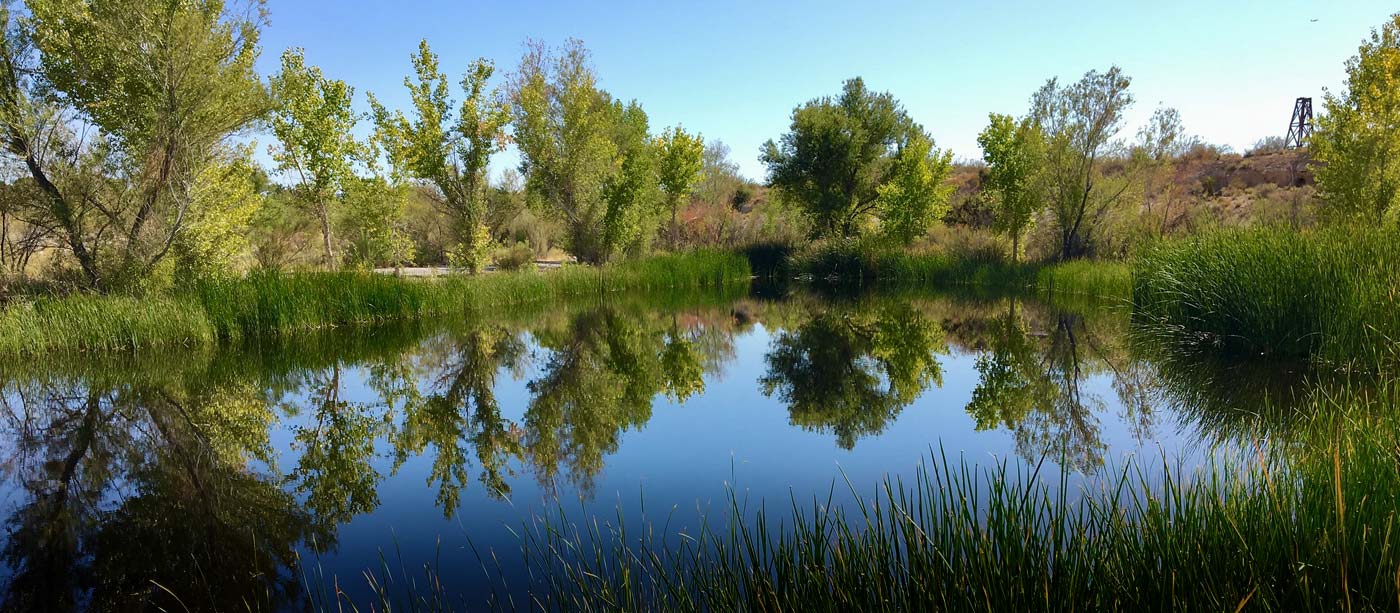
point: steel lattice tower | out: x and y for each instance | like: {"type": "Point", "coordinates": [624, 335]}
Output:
{"type": "Point", "coordinates": [1301, 128]}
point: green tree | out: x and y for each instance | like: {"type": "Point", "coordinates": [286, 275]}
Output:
{"type": "Point", "coordinates": [839, 152]}
{"type": "Point", "coordinates": [632, 192]}
{"type": "Point", "coordinates": [164, 85]}
{"type": "Point", "coordinates": [917, 193]}
{"type": "Point", "coordinates": [372, 218]}
{"type": "Point", "coordinates": [1357, 142]}
{"type": "Point", "coordinates": [451, 153]}
{"type": "Point", "coordinates": [226, 200]}
{"type": "Point", "coordinates": [681, 168]}
{"type": "Point", "coordinates": [585, 156]}
{"type": "Point", "coordinates": [1014, 153]}
{"type": "Point", "coordinates": [313, 122]}
{"type": "Point", "coordinates": [1080, 121]}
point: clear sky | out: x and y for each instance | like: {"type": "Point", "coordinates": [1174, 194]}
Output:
{"type": "Point", "coordinates": [734, 70]}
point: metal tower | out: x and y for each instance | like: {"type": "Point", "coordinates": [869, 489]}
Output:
{"type": "Point", "coordinates": [1301, 128]}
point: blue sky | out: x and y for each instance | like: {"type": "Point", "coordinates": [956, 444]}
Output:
{"type": "Point", "coordinates": [735, 70]}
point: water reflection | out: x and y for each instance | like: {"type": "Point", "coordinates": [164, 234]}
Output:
{"type": "Point", "coordinates": [207, 474]}
{"type": "Point", "coordinates": [851, 369]}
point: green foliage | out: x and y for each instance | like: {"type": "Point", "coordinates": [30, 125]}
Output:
{"type": "Point", "coordinates": [1015, 181]}
{"type": "Point", "coordinates": [110, 65]}
{"type": "Point", "coordinates": [917, 192]}
{"type": "Point", "coordinates": [450, 153]}
{"type": "Point", "coordinates": [574, 141]}
{"type": "Point", "coordinates": [313, 121]}
{"type": "Point", "coordinates": [1080, 122]}
{"type": "Point", "coordinates": [632, 192]}
{"type": "Point", "coordinates": [681, 166]}
{"type": "Point", "coordinates": [1357, 142]}
{"type": "Point", "coordinates": [1325, 296]}
{"type": "Point", "coordinates": [371, 219]}
{"type": "Point", "coordinates": [225, 202]}
{"type": "Point", "coordinates": [515, 258]}
{"type": "Point", "coordinates": [472, 254]}
{"type": "Point", "coordinates": [839, 153]}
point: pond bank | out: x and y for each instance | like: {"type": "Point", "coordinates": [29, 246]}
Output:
{"type": "Point", "coordinates": [271, 303]}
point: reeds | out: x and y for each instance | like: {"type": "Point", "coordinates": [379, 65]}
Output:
{"type": "Point", "coordinates": [1329, 296]}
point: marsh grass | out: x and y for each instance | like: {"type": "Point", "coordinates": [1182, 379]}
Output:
{"type": "Point", "coordinates": [1329, 296]}
{"type": "Point", "coordinates": [271, 303]}
{"type": "Point", "coordinates": [1317, 533]}
{"type": "Point", "coordinates": [864, 263]}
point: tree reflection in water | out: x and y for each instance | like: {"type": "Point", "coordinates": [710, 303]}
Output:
{"type": "Point", "coordinates": [850, 371]}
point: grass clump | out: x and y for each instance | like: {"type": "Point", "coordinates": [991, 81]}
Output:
{"type": "Point", "coordinates": [274, 303]}
{"type": "Point", "coordinates": [1328, 296]}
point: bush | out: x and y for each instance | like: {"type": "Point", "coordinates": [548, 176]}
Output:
{"type": "Point", "coordinates": [516, 258]}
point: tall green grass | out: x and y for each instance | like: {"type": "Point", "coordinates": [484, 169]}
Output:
{"type": "Point", "coordinates": [858, 263]}
{"type": "Point", "coordinates": [1331, 296]}
{"type": "Point", "coordinates": [271, 303]}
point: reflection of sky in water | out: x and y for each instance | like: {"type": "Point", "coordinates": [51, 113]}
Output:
{"type": "Point", "coordinates": [685, 456]}
{"type": "Point", "coordinates": [680, 461]}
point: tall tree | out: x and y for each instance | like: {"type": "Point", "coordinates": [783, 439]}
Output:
{"type": "Point", "coordinates": [1357, 142]}
{"type": "Point", "coordinates": [451, 153]}
{"type": "Point", "coordinates": [838, 153]}
{"type": "Point", "coordinates": [1080, 121]}
{"type": "Point", "coordinates": [164, 84]}
{"type": "Point", "coordinates": [1014, 153]}
{"type": "Point", "coordinates": [682, 159]}
{"type": "Point", "coordinates": [585, 156]}
{"type": "Point", "coordinates": [313, 123]}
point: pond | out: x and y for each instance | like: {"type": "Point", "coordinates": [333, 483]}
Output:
{"type": "Point", "coordinates": [280, 472]}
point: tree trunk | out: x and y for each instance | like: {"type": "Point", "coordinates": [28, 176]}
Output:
{"type": "Point", "coordinates": [328, 249]}
{"type": "Point", "coordinates": [675, 229]}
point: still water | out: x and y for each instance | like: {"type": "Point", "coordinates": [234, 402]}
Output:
{"type": "Point", "coordinates": [269, 475]}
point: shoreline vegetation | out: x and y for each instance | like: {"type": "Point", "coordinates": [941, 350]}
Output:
{"type": "Point", "coordinates": [1239, 293]}
{"type": "Point", "coordinates": [272, 303]}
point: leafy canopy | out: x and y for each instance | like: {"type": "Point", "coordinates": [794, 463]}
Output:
{"type": "Point", "coordinates": [1357, 142]}
{"type": "Point", "coordinates": [839, 153]}
{"type": "Point", "coordinates": [451, 153]}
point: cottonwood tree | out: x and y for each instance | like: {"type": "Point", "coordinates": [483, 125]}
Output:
{"type": "Point", "coordinates": [449, 152]}
{"type": "Point", "coordinates": [839, 152]}
{"type": "Point", "coordinates": [1357, 142]}
{"type": "Point", "coordinates": [586, 157]}
{"type": "Point", "coordinates": [151, 91]}
{"type": "Point", "coordinates": [1015, 183]}
{"type": "Point", "coordinates": [313, 122]}
{"type": "Point", "coordinates": [1080, 121]}
{"type": "Point", "coordinates": [682, 159]}
{"type": "Point", "coordinates": [917, 193]}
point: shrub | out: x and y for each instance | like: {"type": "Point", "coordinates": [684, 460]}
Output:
{"type": "Point", "coordinates": [516, 258]}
